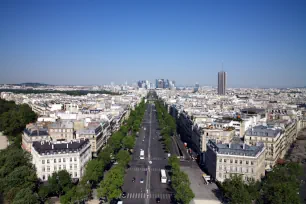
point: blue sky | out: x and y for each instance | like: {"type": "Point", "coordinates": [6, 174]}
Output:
{"type": "Point", "coordinates": [261, 43]}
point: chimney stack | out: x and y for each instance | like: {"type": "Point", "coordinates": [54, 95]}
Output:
{"type": "Point", "coordinates": [67, 145]}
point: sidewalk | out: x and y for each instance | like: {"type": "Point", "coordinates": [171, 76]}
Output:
{"type": "Point", "coordinates": [203, 193]}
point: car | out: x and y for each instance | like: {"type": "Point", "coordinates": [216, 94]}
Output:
{"type": "Point", "coordinates": [157, 200]}
{"type": "Point", "coordinates": [123, 195]}
{"type": "Point", "coordinates": [133, 180]}
{"type": "Point", "coordinates": [141, 181]}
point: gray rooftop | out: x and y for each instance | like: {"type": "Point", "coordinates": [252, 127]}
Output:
{"type": "Point", "coordinates": [52, 147]}
{"type": "Point", "coordinates": [236, 149]}
{"type": "Point", "coordinates": [62, 124]}
{"type": "Point", "coordinates": [34, 130]}
{"type": "Point", "coordinates": [264, 131]}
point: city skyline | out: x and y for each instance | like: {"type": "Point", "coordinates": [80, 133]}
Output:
{"type": "Point", "coordinates": [261, 44]}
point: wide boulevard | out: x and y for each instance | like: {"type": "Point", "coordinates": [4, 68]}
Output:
{"type": "Point", "coordinates": [149, 168]}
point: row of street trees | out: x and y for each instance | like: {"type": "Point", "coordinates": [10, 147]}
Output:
{"type": "Point", "coordinates": [180, 182]}
{"type": "Point", "coordinates": [121, 144]}
{"type": "Point", "coordinates": [281, 185]}
{"type": "Point", "coordinates": [166, 123]}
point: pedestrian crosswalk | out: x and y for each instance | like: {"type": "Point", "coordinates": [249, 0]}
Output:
{"type": "Point", "coordinates": [143, 169]}
{"type": "Point", "coordinates": [148, 195]}
{"type": "Point", "coordinates": [152, 158]}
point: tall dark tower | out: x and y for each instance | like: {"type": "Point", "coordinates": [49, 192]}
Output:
{"type": "Point", "coordinates": [221, 82]}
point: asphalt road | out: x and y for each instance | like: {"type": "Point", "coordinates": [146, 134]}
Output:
{"type": "Point", "coordinates": [151, 188]}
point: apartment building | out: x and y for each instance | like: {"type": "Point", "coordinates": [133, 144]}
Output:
{"type": "Point", "coordinates": [225, 160]}
{"type": "Point", "coordinates": [33, 133]}
{"type": "Point", "coordinates": [61, 131]}
{"type": "Point", "coordinates": [273, 139]}
{"type": "Point", "coordinates": [93, 132]}
{"type": "Point", "coordinates": [49, 157]}
{"type": "Point", "coordinates": [222, 136]}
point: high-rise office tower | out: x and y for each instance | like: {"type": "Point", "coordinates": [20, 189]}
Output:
{"type": "Point", "coordinates": [221, 83]}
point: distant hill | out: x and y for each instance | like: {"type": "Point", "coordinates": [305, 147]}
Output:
{"type": "Point", "coordinates": [32, 84]}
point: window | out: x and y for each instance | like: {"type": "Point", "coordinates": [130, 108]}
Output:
{"type": "Point", "coordinates": [48, 162]}
{"type": "Point", "coordinates": [64, 166]}
{"type": "Point", "coordinates": [240, 161]}
{"type": "Point", "coordinates": [75, 159]}
{"type": "Point", "coordinates": [236, 161]}
{"type": "Point", "coordinates": [75, 174]}
{"type": "Point", "coordinates": [48, 168]}
{"type": "Point", "coordinates": [43, 161]}
{"type": "Point", "coordinates": [54, 160]}
{"type": "Point", "coordinates": [252, 163]}
{"type": "Point", "coordinates": [75, 166]}
{"type": "Point", "coordinates": [70, 159]}
{"type": "Point", "coordinates": [231, 161]}
{"type": "Point", "coordinates": [59, 167]}
{"type": "Point", "coordinates": [246, 162]}
{"type": "Point", "coordinates": [59, 160]}
{"type": "Point", "coordinates": [55, 168]}
{"type": "Point", "coordinates": [64, 159]}
{"type": "Point", "coordinates": [44, 177]}
{"type": "Point", "coordinates": [43, 169]}
{"type": "Point", "coordinates": [70, 166]}
{"type": "Point", "coordinates": [224, 160]}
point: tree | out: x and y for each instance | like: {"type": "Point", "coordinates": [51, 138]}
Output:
{"type": "Point", "coordinates": [110, 185]}
{"type": "Point", "coordinates": [136, 125]}
{"type": "Point", "coordinates": [123, 157]}
{"type": "Point", "coordinates": [94, 171]}
{"type": "Point", "coordinates": [183, 193]}
{"type": "Point", "coordinates": [25, 196]}
{"type": "Point", "coordinates": [105, 155]}
{"type": "Point", "coordinates": [282, 184]}
{"type": "Point", "coordinates": [44, 192]}
{"type": "Point", "coordinates": [235, 190]}
{"type": "Point", "coordinates": [21, 177]}
{"type": "Point", "coordinates": [76, 194]}
{"type": "Point", "coordinates": [60, 182]}
{"type": "Point", "coordinates": [124, 130]}
{"type": "Point", "coordinates": [178, 178]}
{"type": "Point", "coordinates": [115, 141]}
{"type": "Point", "coordinates": [128, 142]}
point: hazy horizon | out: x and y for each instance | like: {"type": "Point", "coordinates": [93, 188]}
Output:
{"type": "Point", "coordinates": [261, 43]}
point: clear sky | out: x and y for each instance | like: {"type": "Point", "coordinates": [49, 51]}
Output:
{"type": "Point", "coordinates": [261, 43]}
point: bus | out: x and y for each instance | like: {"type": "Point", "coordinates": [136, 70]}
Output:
{"type": "Point", "coordinates": [163, 176]}
{"type": "Point", "coordinates": [141, 154]}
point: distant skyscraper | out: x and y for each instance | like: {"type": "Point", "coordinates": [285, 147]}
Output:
{"type": "Point", "coordinates": [221, 83]}
{"type": "Point", "coordinates": [196, 87]}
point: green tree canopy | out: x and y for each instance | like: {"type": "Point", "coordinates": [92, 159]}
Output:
{"type": "Point", "coordinates": [123, 157]}
{"type": "Point", "coordinates": [94, 171]}
{"type": "Point", "coordinates": [128, 142]}
{"type": "Point", "coordinates": [235, 190]}
{"type": "Point", "coordinates": [60, 182]}
{"type": "Point", "coordinates": [25, 195]}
